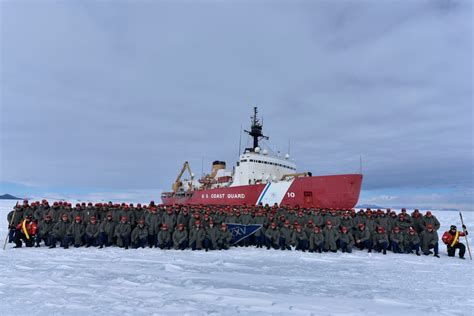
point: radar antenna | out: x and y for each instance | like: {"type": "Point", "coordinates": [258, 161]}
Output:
{"type": "Point", "coordinates": [255, 130]}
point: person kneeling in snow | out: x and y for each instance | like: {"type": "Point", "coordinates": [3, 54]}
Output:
{"type": "Point", "coordinates": [429, 240]}
{"type": "Point", "coordinates": [140, 235]}
{"type": "Point", "coordinates": [331, 236]}
{"type": "Point", "coordinates": [75, 233]}
{"type": "Point", "coordinates": [164, 237]}
{"type": "Point", "coordinates": [60, 231]}
{"type": "Point", "coordinates": [412, 241]}
{"type": "Point", "coordinates": [272, 235]}
{"type": "Point", "coordinates": [381, 240]}
{"type": "Point", "coordinates": [106, 231]}
{"type": "Point", "coordinates": [362, 238]}
{"type": "Point", "coordinates": [316, 240]}
{"type": "Point", "coordinates": [451, 239]}
{"type": "Point", "coordinates": [122, 232]}
{"type": "Point", "coordinates": [196, 236]}
{"type": "Point", "coordinates": [346, 240]}
{"type": "Point", "coordinates": [45, 230]}
{"type": "Point", "coordinates": [299, 239]}
{"type": "Point", "coordinates": [26, 231]}
{"type": "Point", "coordinates": [212, 234]}
{"type": "Point", "coordinates": [180, 238]}
{"type": "Point", "coordinates": [92, 232]}
{"type": "Point", "coordinates": [285, 236]}
{"type": "Point", "coordinates": [396, 238]}
{"type": "Point", "coordinates": [225, 236]}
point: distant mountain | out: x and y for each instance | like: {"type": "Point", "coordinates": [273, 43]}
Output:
{"type": "Point", "coordinates": [8, 197]}
{"type": "Point", "coordinates": [371, 206]}
{"type": "Point", "coordinates": [450, 209]}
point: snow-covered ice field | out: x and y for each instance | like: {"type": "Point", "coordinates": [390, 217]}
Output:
{"type": "Point", "coordinates": [113, 281]}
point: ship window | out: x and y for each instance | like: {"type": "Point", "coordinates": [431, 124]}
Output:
{"type": "Point", "coordinates": [244, 160]}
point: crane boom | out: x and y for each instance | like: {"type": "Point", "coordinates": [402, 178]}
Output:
{"type": "Point", "coordinates": [295, 175]}
{"type": "Point", "coordinates": [177, 184]}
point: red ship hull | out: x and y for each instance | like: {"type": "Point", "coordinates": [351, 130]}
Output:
{"type": "Point", "coordinates": [334, 191]}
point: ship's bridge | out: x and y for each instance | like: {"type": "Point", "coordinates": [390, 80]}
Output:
{"type": "Point", "coordinates": [260, 167]}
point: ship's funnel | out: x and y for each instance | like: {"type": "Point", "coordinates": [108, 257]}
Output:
{"type": "Point", "coordinates": [217, 165]}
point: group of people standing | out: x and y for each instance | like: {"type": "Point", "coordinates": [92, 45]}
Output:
{"type": "Point", "coordinates": [206, 227]}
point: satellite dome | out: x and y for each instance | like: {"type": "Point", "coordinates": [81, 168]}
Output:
{"type": "Point", "coordinates": [265, 152]}
{"type": "Point", "coordinates": [257, 149]}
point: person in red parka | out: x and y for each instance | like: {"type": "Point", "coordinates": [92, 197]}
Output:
{"type": "Point", "coordinates": [26, 231]}
{"type": "Point", "coordinates": [451, 239]}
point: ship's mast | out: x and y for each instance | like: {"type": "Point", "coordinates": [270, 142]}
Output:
{"type": "Point", "coordinates": [255, 130]}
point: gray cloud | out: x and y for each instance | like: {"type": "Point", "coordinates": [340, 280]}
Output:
{"type": "Point", "coordinates": [119, 95]}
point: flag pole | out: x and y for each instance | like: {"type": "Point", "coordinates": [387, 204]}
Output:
{"type": "Point", "coordinates": [465, 235]}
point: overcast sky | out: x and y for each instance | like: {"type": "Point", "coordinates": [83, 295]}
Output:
{"type": "Point", "coordinates": [102, 96]}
